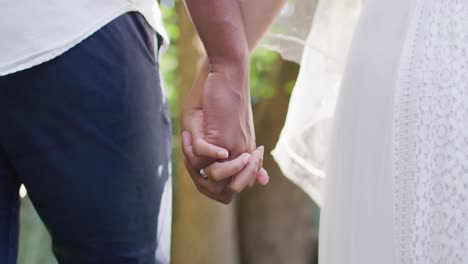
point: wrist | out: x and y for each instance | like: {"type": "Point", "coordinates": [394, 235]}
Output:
{"type": "Point", "coordinates": [235, 71]}
{"type": "Point", "coordinates": [234, 59]}
{"type": "Point", "coordinates": [215, 64]}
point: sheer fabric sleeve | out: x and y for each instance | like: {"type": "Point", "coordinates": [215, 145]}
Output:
{"type": "Point", "coordinates": [302, 148]}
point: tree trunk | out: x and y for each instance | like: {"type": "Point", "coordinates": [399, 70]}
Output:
{"type": "Point", "coordinates": [204, 232]}
{"type": "Point", "coordinates": [276, 222]}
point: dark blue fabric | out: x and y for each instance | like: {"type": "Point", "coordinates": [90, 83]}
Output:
{"type": "Point", "coordinates": [88, 133]}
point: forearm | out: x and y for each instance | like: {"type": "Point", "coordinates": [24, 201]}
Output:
{"type": "Point", "coordinates": [257, 17]}
{"type": "Point", "coordinates": [219, 24]}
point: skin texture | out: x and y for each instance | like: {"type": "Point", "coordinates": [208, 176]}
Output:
{"type": "Point", "coordinates": [217, 116]}
{"type": "Point", "coordinates": [226, 89]}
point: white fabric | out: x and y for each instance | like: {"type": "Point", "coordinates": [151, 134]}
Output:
{"type": "Point", "coordinates": [431, 137]}
{"type": "Point", "coordinates": [164, 232]}
{"type": "Point", "coordinates": [288, 35]}
{"type": "Point", "coordinates": [396, 188]}
{"type": "Point", "coordinates": [302, 149]}
{"type": "Point", "coordinates": [33, 31]}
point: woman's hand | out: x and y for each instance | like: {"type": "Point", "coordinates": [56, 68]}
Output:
{"type": "Point", "coordinates": [226, 178]}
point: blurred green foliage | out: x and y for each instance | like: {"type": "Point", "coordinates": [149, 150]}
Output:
{"type": "Point", "coordinates": [262, 65]}
{"type": "Point", "coordinates": [34, 239]}
{"type": "Point", "coordinates": [169, 61]}
{"type": "Point", "coordinates": [263, 62]}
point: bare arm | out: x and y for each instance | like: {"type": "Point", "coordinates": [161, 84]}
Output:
{"type": "Point", "coordinates": [220, 26]}
{"type": "Point", "coordinates": [257, 16]}
{"type": "Point", "coordinates": [226, 93]}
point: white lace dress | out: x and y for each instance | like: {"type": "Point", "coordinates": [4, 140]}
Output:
{"type": "Point", "coordinates": [396, 188]}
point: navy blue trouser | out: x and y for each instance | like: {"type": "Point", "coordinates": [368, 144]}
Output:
{"type": "Point", "coordinates": [88, 133]}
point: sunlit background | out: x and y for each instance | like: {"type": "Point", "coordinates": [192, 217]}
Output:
{"type": "Point", "coordinates": [274, 224]}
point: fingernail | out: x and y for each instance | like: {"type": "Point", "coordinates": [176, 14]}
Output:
{"type": "Point", "coordinates": [264, 179]}
{"type": "Point", "coordinates": [223, 154]}
{"type": "Point", "coordinates": [261, 149]}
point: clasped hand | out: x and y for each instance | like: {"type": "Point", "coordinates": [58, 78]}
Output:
{"type": "Point", "coordinates": [218, 134]}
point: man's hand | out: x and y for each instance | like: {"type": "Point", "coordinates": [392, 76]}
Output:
{"type": "Point", "coordinates": [226, 95]}
{"type": "Point", "coordinates": [204, 153]}
{"type": "Point", "coordinates": [228, 174]}
{"type": "Point", "coordinates": [218, 115]}
{"type": "Point", "coordinates": [228, 120]}
{"type": "Point", "coordinates": [226, 178]}
{"type": "Point", "coordinates": [221, 115]}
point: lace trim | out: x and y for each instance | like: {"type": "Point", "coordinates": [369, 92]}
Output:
{"type": "Point", "coordinates": [431, 138]}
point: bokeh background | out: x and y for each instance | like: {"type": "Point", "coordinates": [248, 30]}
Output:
{"type": "Point", "coordinates": [277, 224]}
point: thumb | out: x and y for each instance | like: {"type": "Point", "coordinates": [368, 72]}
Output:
{"type": "Point", "coordinates": [201, 147]}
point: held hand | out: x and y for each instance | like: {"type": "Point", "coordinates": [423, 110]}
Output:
{"type": "Point", "coordinates": [204, 153]}
{"type": "Point", "coordinates": [228, 120]}
{"type": "Point", "coordinates": [217, 117]}
{"type": "Point", "coordinates": [226, 178]}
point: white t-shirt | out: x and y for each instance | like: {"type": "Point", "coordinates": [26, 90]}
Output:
{"type": "Point", "coordinates": [35, 31]}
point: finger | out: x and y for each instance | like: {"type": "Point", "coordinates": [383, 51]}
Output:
{"type": "Point", "coordinates": [206, 186]}
{"type": "Point", "coordinates": [217, 191]}
{"type": "Point", "coordinates": [202, 148]}
{"type": "Point", "coordinates": [222, 170]}
{"type": "Point", "coordinates": [259, 173]}
{"type": "Point", "coordinates": [242, 180]}
{"type": "Point", "coordinates": [187, 148]}
{"type": "Point", "coordinates": [262, 177]}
